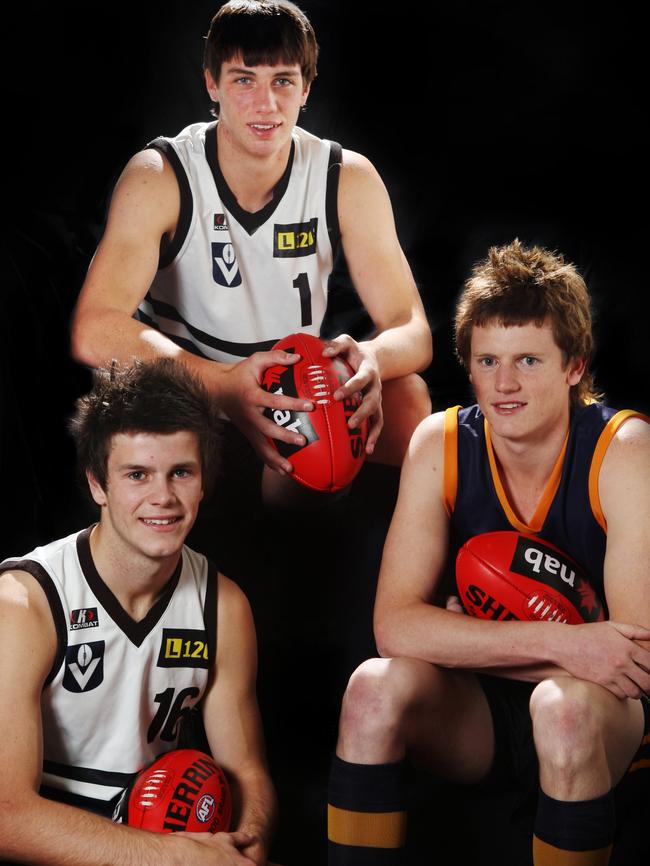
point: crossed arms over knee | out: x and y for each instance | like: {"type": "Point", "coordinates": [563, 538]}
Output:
{"type": "Point", "coordinates": [613, 654]}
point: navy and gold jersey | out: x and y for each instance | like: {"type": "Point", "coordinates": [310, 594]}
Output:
{"type": "Point", "coordinates": [568, 514]}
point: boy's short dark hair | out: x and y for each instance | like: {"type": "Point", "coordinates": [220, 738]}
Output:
{"type": "Point", "coordinates": [159, 396]}
{"type": "Point", "coordinates": [264, 32]}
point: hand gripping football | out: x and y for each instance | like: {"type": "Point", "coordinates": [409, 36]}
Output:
{"type": "Point", "coordinates": [182, 790]}
{"type": "Point", "coordinates": [334, 452]}
{"type": "Point", "coordinates": [509, 575]}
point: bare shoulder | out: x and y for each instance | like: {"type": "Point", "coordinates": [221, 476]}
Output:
{"type": "Point", "coordinates": [358, 174]}
{"type": "Point", "coordinates": [428, 439]}
{"type": "Point", "coordinates": [19, 591]}
{"type": "Point", "coordinates": [629, 446]}
{"type": "Point", "coordinates": [147, 189]}
{"type": "Point", "coordinates": [234, 614]}
{"type": "Point", "coordinates": [25, 614]}
{"type": "Point", "coordinates": [231, 595]}
{"type": "Point", "coordinates": [624, 482]}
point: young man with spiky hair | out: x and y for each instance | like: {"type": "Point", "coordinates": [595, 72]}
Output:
{"type": "Point", "coordinates": [220, 241]}
{"type": "Point", "coordinates": [476, 700]}
{"type": "Point", "coordinates": [90, 692]}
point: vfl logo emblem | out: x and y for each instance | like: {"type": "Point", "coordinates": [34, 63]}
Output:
{"type": "Point", "coordinates": [85, 617]}
{"type": "Point", "coordinates": [224, 265]}
{"type": "Point", "coordinates": [84, 666]}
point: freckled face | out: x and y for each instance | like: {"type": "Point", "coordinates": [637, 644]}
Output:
{"type": "Point", "coordinates": [521, 382]}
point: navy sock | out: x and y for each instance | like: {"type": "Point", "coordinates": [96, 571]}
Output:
{"type": "Point", "coordinates": [366, 814]}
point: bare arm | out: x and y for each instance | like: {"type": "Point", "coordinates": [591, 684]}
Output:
{"type": "Point", "coordinates": [232, 720]}
{"type": "Point", "coordinates": [31, 826]}
{"type": "Point", "coordinates": [144, 210]}
{"type": "Point", "coordinates": [624, 488]}
{"type": "Point", "coordinates": [407, 624]}
{"type": "Point", "coordinates": [385, 285]}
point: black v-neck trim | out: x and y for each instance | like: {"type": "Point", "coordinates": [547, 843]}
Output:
{"type": "Point", "coordinates": [135, 631]}
{"type": "Point", "coordinates": [249, 221]}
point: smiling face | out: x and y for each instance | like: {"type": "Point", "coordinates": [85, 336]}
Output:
{"type": "Point", "coordinates": [152, 494]}
{"type": "Point", "coordinates": [521, 380]}
{"type": "Point", "coordinates": [258, 105]}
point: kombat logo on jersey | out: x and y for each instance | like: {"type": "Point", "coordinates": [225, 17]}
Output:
{"type": "Point", "coordinates": [183, 648]}
{"type": "Point", "coordinates": [219, 223]}
{"type": "Point", "coordinates": [279, 380]}
{"type": "Point", "coordinates": [85, 617]}
{"type": "Point", "coordinates": [84, 666]}
{"type": "Point", "coordinates": [224, 265]}
{"type": "Point", "coordinates": [295, 239]}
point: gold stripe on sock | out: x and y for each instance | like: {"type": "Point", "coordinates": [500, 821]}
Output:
{"type": "Point", "coordinates": [366, 829]}
{"type": "Point", "coordinates": [548, 855]}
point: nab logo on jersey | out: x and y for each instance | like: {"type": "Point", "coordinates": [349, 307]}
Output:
{"type": "Point", "coordinates": [183, 648]}
{"type": "Point", "coordinates": [219, 223]}
{"type": "Point", "coordinates": [224, 265]}
{"type": "Point", "coordinates": [84, 666]}
{"type": "Point", "coordinates": [295, 239]}
{"type": "Point", "coordinates": [85, 617]}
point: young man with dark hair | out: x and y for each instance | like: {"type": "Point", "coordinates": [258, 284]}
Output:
{"type": "Point", "coordinates": [472, 699]}
{"type": "Point", "coordinates": [220, 241]}
{"type": "Point", "coordinates": [90, 692]}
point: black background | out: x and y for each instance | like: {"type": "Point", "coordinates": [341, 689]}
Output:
{"type": "Point", "coordinates": [486, 121]}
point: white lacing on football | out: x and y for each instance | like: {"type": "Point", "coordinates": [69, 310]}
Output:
{"type": "Point", "coordinates": [151, 790]}
{"type": "Point", "coordinates": [319, 384]}
{"type": "Point", "coordinates": [546, 614]}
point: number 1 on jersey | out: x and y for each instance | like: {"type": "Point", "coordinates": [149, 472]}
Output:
{"type": "Point", "coordinates": [302, 284]}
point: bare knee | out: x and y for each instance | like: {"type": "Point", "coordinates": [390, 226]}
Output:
{"type": "Point", "coordinates": [566, 727]}
{"type": "Point", "coordinates": [378, 698]}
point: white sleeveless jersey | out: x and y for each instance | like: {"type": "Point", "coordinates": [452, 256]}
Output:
{"type": "Point", "coordinates": [233, 283]}
{"type": "Point", "coordinates": [119, 689]}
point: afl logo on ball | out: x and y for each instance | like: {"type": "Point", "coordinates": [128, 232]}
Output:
{"type": "Point", "coordinates": [205, 808]}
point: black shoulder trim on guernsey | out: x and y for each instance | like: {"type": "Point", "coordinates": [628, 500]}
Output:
{"type": "Point", "coordinates": [135, 631]}
{"type": "Point", "coordinates": [331, 195]}
{"type": "Point", "coordinates": [58, 614]}
{"type": "Point", "coordinates": [88, 775]}
{"type": "Point", "coordinates": [242, 350]}
{"type": "Point", "coordinates": [210, 611]}
{"type": "Point", "coordinates": [249, 221]}
{"type": "Point", "coordinates": [169, 253]}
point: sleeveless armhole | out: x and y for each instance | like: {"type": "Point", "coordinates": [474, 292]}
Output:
{"type": "Point", "coordinates": [611, 428]}
{"type": "Point", "coordinates": [210, 611]}
{"type": "Point", "coordinates": [47, 585]}
{"type": "Point", "coordinates": [450, 466]}
{"type": "Point", "coordinates": [331, 196]}
{"type": "Point", "coordinates": [168, 255]}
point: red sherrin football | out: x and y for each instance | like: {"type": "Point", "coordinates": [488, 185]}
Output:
{"type": "Point", "coordinates": [334, 453]}
{"type": "Point", "coordinates": [509, 575]}
{"type": "Point", "coordinates": [182, 790]}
